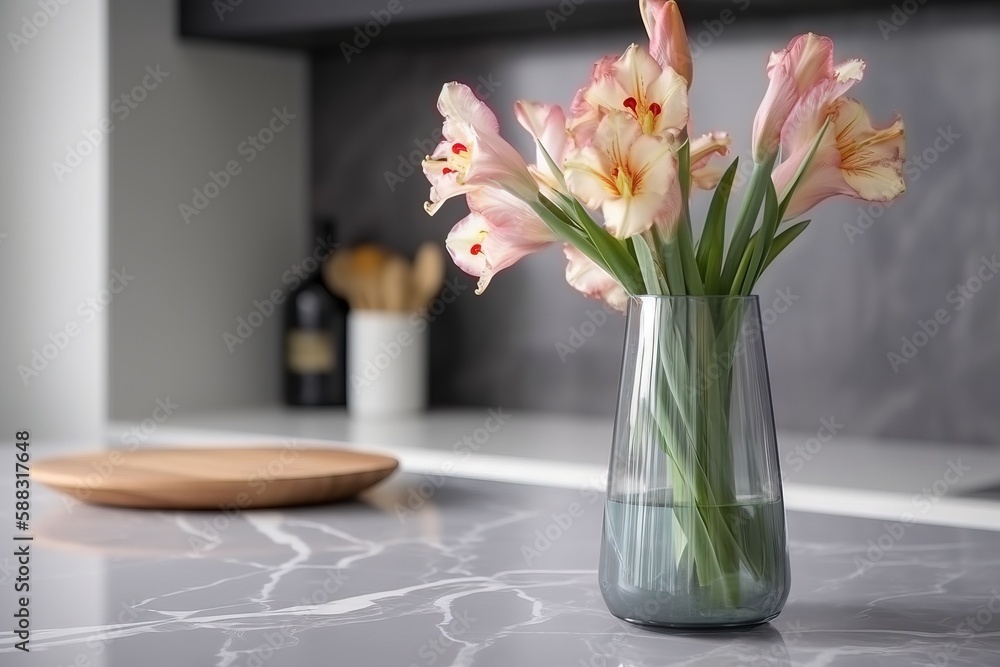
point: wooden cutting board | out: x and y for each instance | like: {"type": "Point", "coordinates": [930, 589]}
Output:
{"type": "Point", "coordinates": [212, 479]}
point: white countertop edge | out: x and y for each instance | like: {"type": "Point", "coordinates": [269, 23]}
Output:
{"type": "Point", "coordinates": [891, 507]}
{"type": "Point", "coordinates": [837, 501]}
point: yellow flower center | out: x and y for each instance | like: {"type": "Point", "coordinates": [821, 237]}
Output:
{"type": "Point", "coordinates": [623, 181]}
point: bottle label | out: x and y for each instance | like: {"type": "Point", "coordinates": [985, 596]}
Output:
{"type": "Point", "coordinates": [310, 352]}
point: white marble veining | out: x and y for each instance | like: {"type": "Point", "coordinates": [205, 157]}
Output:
{"type": "Point", "coordinates": [466, 577]}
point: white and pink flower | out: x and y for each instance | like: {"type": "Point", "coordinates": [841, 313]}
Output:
{"type": "Point", "coordinates": [593, 281]}
{"type": "Point", "coordinates": [472, 153]}
{"type": "Point", "coordinates": [854, 158]}
{"type": "Point", "coordinates": [499, 230]}
{"type": "Point", "coordinates": [628, 174]}
{"type": "Point", "coordinates": [806, 63]}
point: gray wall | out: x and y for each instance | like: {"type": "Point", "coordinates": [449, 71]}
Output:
{"type": "Point", "coordinates": [856, 297]}
{"type": "Point", "coordinates": [192, 281]}
{"type": "Point", "coordinates": [53, 227]}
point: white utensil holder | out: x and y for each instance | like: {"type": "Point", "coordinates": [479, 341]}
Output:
{"type": "Point", "coordinates": [386, 363]}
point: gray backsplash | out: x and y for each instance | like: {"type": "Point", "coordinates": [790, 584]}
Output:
{"type": "Point", "coordinates": [853, 295]}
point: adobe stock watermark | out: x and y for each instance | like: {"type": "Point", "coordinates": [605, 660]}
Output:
{"type": "Point", "coordinates": [248, 150]}
{"type": "Point", "coordinates": [411, 163]}
{"type": "Point", "coordinates": [561, 12]}
{"type": "Point", "coordinates": [957, 299]}
{"type": "Point", "coordinates": [257, 482]}
{"type": "Point", "coordinates": [916, 166]}
{"type": "Point", "coordinates": [893, 533]}
{"type": "Point", "coordinates": [97, 645]}
{"type": "Point", "coordinates": [266, 307]}
{"type": "Point", "coordinates": [432, 651]}
{"type": "Point", "coordinates": [974, 624]}
{"type": "Point", "coordinates": [163, 409]}
{"type": "Point", "coordinates": [418, 496]}
{"type": "Point", "coordinates": [605, 653]}
{"type": "Point", "coordinates": [278, 639]}
{"type": "Point", "coordinates": [372, 368]}
{"type": "Point", "coordinates": [583, 332]}
{"type": "Point", "coordinates": [121, 108]}
{"type": "Point", "coordinates": [223, 7]}
{"type": "Point", "coordinates": [31, 24]}
{"type": "Point", "coordinates": [722, 362]}
{"type": "Point", "coordinates": [776, 652]}
{"type": "Point", "coordinates": [711, 30]}
{"type": "Point", "coordinates": [57, 341]}
{"type": "Point", "coordinates": [363, 35]}
{"type": "Point", "coordinates": [561, 523]}
{"type": "Point", "coordinates": [900, 14]}
{"type": "Point", "coordinates": [810, 449]}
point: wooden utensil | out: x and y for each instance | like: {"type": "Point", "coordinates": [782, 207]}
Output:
{"type": "Point", "coordinates": [337, 277]}
{"type": "Point", "coordinates": [210, 479]}
{"type": "Point", "coordinates": [428, 274]}
{"type": "Point", "coordinates": [367, 264]}
{"type": "Point", "coordinates": [396, 284]}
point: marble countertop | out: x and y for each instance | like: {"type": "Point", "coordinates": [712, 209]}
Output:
{"type": "Point", "coordinates": [428, 570]}
{"type": "Point", "coordinates": [467, 558]}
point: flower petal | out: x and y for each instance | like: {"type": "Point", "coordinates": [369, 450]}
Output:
{"type": "Point", "coordinates": [470, 231]}
{"type": "Point", "coordinates": [668, 42]}
{"type": "Point", "coordinates": [793, 72]}
{"type": "Point", "coordinates": [593, 281]}
{"type": "Point", "coordinates": [669, 90]}
{"type": "Point", "coordinates": [547, 125]}
{"type": "Point", "coordinates": [871, 159]}
{"type": "Point", "coordinates": [457, 101]}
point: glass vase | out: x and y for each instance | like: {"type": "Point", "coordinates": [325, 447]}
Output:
{"type": "Point", "coordinates": [694, 522]}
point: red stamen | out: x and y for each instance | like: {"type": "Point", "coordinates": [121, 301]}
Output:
{"type": "Point", "coordinates": [630, 103]}
{"type": "Point", "coordinates": [654, 109]}
{"type": "Point", "coordinates": [476, 248]}
{"type": "Point", "coordinates": [446, 170]}
{"type": "Point", "coordinates": [458, 148]}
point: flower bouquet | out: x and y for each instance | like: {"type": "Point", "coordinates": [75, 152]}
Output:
{"type": "Point", "coordinates": [694, 526]}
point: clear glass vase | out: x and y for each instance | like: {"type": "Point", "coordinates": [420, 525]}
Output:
{"type": "Point", "coordinates": [694, 525]}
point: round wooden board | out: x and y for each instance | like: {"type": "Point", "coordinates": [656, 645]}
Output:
{"type": "Point", "coordinates": [212, 479]}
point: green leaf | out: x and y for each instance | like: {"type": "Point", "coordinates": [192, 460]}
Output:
{"type": "Point", "coordinates": [650, 274]}
{"type": "Point", "coordinates": [786, 200]}
{"type": "Point", "coordinates": [557, 221]}
{"type": "Point", "coordinates": [713, 237]}
{"type": "Point", "coordinates": [783, 240]}
{"type": "Point", "coordinates": [752, 200]}
{"type": "Point", "coordinates": [619, 262]}
{"type": "Point", "coordinates": [692, 279]}
{"type": "Point", "coordinates": [672, 267]}
{"type": "Point", "coordinates": [568, 233]}
{"type": "Point", "coordinates": [684, 170]}
{"type": "Point", "coordinates": [685, 242]}
{"type": "Point", "coordinates": [552, 165]}
{"type": "Point", "coordinates": [741, 270]}
{"type": "Point", "coordinates": [768, 226]}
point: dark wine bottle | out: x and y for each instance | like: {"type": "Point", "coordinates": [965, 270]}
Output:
{"type": "Point", "coordinates": [315, 333]}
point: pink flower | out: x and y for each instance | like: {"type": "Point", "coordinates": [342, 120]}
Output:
{"type": "Point", "coordinates": [668, 42]}
{"type": "Point", "coordinates": [596, 283]}
{"type": "Point", "coordinates": [854, 158]}
{"type": "Point", "coordinates": [806, 63]}
{"type": "Point", "coordinates": [629, 175]}
{"type": "Point", "coordinates": [635, 84]}
{"type": "Point", "coordinates": [499, 231]}
{"type": "Point", "coordinates": [584, 117]}
{"type": "Point", "coordinates": [705, 175]}
{"type": "Point", "coordinates": [472, 154]}
{"type": "Point", "coordinates": [547, 125]}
